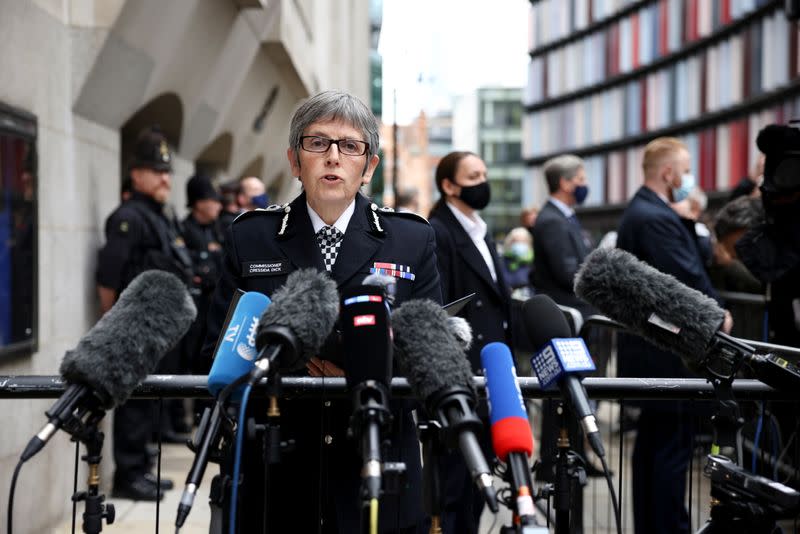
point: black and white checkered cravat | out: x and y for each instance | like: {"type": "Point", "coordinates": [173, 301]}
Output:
{"type": "Point", "coordinates": [329, 239]}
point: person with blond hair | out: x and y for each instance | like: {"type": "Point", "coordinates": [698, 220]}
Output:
{"type": "Point", "coordinates": [652, 231]}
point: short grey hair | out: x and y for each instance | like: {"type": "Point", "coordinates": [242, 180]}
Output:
{"type": "Point", "coordinates": [335, 105]}
{"type": "Point", "coordinates": [563, 166]}
{"type": "Point", "coordinates": [740, 214]}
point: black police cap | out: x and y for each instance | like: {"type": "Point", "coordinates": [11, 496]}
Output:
{"type": "Point", "coordinates": [152, 151]}
{"type": "Point", "coordinates": [199, 187]}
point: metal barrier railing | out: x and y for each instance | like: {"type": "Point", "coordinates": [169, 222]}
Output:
{"type": "Point", "coordinates": [195, 387]}
{"type": "Point", "coordinates": [598, 514]}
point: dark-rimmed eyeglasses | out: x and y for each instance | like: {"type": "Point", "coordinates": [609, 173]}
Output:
{"type": "Point", "coordinates": [348, 147]}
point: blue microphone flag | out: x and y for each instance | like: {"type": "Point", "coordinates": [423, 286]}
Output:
{"type": "Point", "coordinates": [237, 351]}
{"type": "Point", "coordinates": [561, 356]}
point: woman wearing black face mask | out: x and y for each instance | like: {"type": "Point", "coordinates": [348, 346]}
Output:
{"type": "Point", "coordinates": [468, 263]}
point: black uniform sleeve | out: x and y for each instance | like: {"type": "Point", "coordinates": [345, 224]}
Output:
{"type": "Point", "coordinates": [444, 260]}
{"type": "Point", "coordinates": [124, 233]}
{"type": "Point", "coordinates": [427, 285]}
{"type": "Point", "coordinates": [228, 281]}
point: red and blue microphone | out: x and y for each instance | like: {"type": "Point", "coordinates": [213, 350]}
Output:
{"type": "Point", "coordinates": [512, 437]}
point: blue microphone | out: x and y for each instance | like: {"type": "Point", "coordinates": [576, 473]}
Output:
{"type": "Point", "coordinates": [235, 357]}
{"type": "Point", "coordinates": [561, 360]}
{"type": "Point", "coordinates": [236, 351]}
{"type": "Point", "coordinates": [512, 437]}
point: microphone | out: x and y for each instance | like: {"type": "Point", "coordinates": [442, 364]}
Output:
{"type": "Point", "coordinates": [438, 371]}
{"type": "Point", "coordinates": [512, 437]}
{"type": "Point", "coordinates": [294, 327]}
{"type": "Point", "coordinates": [236, 352]}
{"type": "Point", "coordinates": [388, 283]}
{"type": "Point", "coordinates": [234, 358]}
{"type": "Point", "coordinates": [560, 360]}
{"type": "Point", "coordinates": [119, 351]}
{"type": "Point", "coordinates": [673, 317]}
{"type": "Point", "coordinates": [367, 342]}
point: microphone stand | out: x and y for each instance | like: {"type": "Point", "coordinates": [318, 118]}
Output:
{"type": "Point", "coordinates": [370, 420]}
{"type": "Point", "coordinates": [95, 510]}
{"type": "Point", "coordinates": [271, 444]}
{"type": "Point", "coordinates": [431, 483]}
{"type": "Point", "coordinates": [741, 502]}
{"type": "Point", "coordinates": [569, 473]}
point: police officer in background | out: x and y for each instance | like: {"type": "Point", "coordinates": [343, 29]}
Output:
{"type": "Point", "coordinates": [203, 236]}
{"type": "Point", "coordinates": [140, 237]}
{"type": "Point", "coordinates": [333, 228]}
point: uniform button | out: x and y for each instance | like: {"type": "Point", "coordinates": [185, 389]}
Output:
{"type": "Point", "coordinates": [478, 303]}
{"type": "Point", "coordinates": [480, 337]}
{"type": "Point", "coordinates": [328, 439]}
{"type": "Point", "coordinates": [327, 404]}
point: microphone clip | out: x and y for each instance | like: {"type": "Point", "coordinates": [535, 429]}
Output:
{"type": "Point", "coordinates": [370, 405]}
{"type": "Point", "coordinates": [454, 407]}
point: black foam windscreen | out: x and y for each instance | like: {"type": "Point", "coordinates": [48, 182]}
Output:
{"type": "Point", "coordinates": [150, 317]}
{"type": "Point", "coordinates": [428, 353]}
{"type": "Point", "coordinates": [652, 304]}
{"type": "Point", "coordinates": [366, 335]}
{"type": "Point", "coordinates": [307, 306]}
{"type": "Point", "coordinates": [543, 320]}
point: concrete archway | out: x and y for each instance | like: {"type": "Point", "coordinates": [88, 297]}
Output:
{"type": "Point", "coordinates": [215, 158]}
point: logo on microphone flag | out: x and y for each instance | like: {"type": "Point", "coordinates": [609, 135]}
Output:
{"type": "Point", "coordinates": [364, 320]}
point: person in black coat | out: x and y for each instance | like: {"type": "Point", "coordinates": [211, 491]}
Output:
{"type": "Point", "coordinates": [468, 263]}
{"type": "Point", "coordinates": [560, 246]}
{"type": "Point", "coordinates": [333, 150]}
{"type": "Point", "coordinates": [140, 236]}
{"type": "Point", "coordinates": [203, 235]}
{"type": "Point", "coordinates": [651, 230]}
{"type": "Point", "coordinates": [559, 243]}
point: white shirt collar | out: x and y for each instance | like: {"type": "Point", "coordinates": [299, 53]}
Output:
{"type": "Point", "coordinates": [340, 224]}
{"type": "Point", "coordinates": [563, 208]}
{"type": "Point", "coordinates": [474, 226]}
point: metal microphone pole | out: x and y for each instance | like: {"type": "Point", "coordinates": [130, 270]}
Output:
{"type": "Point", "coordinates": [95, 510]}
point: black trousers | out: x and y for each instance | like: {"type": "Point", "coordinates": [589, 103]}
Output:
{"type": "Point", "coordinates": [133, 427]}
{"type": "Point", "coordinates": [660, 460]}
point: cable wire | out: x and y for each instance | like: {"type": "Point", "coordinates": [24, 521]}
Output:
{"type": "Point", "coordinates": [237, 459]}
{"type": "Point", "coordinates": [11, 495]}
{"type": "Point", "coordinates": [757, 437]}
{"type": "Point", "coordinates": [614, 501]}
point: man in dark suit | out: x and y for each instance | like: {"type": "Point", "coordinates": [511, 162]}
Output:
{"type": "Point", "coordinates": [468, 263]}
{"type": "Point", "coordinates": [559, 242]}
{"type": "Point", "coordinates": [560, 246]}
{"type": "Point", "coordinates": [333, 150]}
{"type": "Point", "coordinates": [652, 231]}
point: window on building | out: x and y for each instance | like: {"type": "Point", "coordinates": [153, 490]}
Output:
{"type": "Point", "coordinates": [502, 114]}
{"type": "Point", "coordinates": [506, 191]}
{"type": "Point", "coordinates": [18, 225]}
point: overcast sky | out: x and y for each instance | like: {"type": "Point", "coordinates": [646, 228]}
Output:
{"type": "Point", "coordinates": [433, 49]}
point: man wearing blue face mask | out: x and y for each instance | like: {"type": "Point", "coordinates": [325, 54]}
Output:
{"type": "Point", "coordinates": [252, 194]}
{"type": "Point", "coordinates": [560, 246]}
{"type": "Point", "coordinates": [559, 242]}
{"type": "Point", "coordinates": [652, 230]}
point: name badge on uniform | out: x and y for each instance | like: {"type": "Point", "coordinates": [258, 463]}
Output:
{"type": "Point", "coordinates": [265, 268]}
{"type": "Point", "coordinates": [393, 269]}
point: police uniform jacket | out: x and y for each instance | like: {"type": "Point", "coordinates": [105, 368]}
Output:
{"type": "Point", "coordinates": [140, 237]}
{"type": "Point", "coordinates": [324, 469]}
{"type": "Point", "coordinates": [464, 271]}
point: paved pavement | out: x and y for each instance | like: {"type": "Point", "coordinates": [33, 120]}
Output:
{"type": "Point", "coordinates": [135, 517]}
